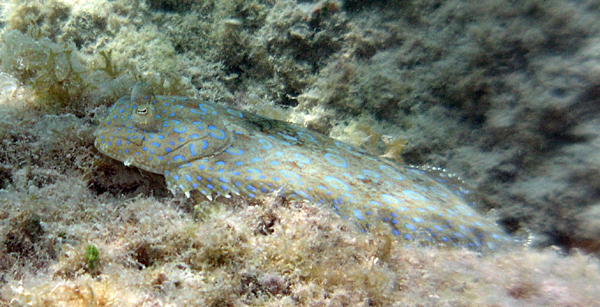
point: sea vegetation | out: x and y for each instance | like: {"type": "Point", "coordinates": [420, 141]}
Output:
{"type": "Point", "coordinates": [277, 254]}
{"type": "Point", "coordinates": [92, 257]}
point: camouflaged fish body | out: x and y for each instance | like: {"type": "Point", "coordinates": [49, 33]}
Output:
{"type": "Point", "coordinates": [219, 150]}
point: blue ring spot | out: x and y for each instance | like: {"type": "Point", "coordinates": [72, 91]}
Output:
{"type": "Point", "coordinates": [371, 173]}
{"type": "Point", "coordinates": [358, 215]}
{"type": "Point", "coordinates": [205, 144]}
{"type": "Point", "coordinates": [391, 172]}
{"type": "Point", "coordinates": [307, 137]}
{"type": "Point", "coordinates": [183, 129]}
{"type": "Point", "coordinates": [303, 194]}
{"type": "Point", "coordinates": [197, 112]}
{"type": "Point", "coordinates": [266, 144]}
{"type": "Point", "coordinates": [235, 113]}
{"type": "Point", "coordinates": [154, 144]}
{"type": "Point", "coordinates": [218, 137]}
{"type": "Point", "coordinates": [414, 195]}
{"type": "Point", "coordinates": [301, 158]}
{"type": "Point", "coordinates": [192, 151]}
{"type": "Point", "coordinates": [254, 170]}
{"type": "Point", "coordinates": [420, 187]}
{"type": "Point", "coordinates": [464, 210]}
{"type": "Point", "coordinates": [179, 157]}
{"type": "Point", "coordinates": [343, 146]}
{"type": "Point", "coordinates": [289, 174]}
{"type": "Point", "coordinates": [372, 202]}
{"type": "Point", "coordinates": [204, 108]}
{"type": "Point", "coordinates": [390, 199]}
{"type": "Point", "coordinates": [410, 226]}
{"type": "Point", "coordinates": [336, 183]}
{"type": "Point", "coordinates": [287, 137]}
{"type": "Point", "coordinates": [234, 151]}
{"type": "Point", "coordinates": [417, 219]}
{"type": "Point", "coordinates": [336, 160]}
{"type": "Point", "coordinates": [188, 178]}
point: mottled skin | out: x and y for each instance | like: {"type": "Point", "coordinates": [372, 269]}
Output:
{"type": "Point", "coordinates": [218, 150]}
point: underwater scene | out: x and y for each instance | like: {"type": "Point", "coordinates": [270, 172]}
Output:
{"type": "Point", "coordinates": [299, 153]}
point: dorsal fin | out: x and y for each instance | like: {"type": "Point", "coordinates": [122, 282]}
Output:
{"type": "Point", "coordinates": [142, 91]}
{"type": "Point", "coordinates": [452, 182]}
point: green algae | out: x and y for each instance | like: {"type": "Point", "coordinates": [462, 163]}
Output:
{"type": "Point", "coordinates": [92, 257]}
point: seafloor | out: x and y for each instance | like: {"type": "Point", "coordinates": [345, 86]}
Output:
{"type": "Point", "coordinates": [504, 93]}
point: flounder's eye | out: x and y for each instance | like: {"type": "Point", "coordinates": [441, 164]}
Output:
{"type": "Point", "coordinates": [145, 117]}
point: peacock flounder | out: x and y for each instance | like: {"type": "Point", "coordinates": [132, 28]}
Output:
{"type": "Point", "coordinates": [219, 150]}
